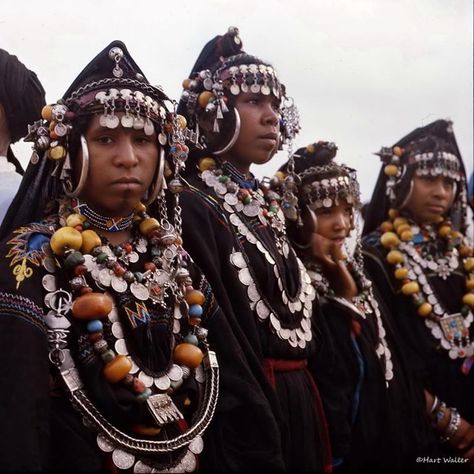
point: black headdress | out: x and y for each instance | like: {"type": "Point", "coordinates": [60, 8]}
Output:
{"type": "Point", "coordinates": [430, 150]}
{"type": "Point", "coordinates": [112, 81]}
{"type": "Point", "coordinates": [22, 98]}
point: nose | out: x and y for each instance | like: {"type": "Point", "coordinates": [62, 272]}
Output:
{"type": "Point", "coordinates": [126, 154]}
{"type": "Point", "coordinates": [270, 116]}
{"type": "Point", "coordinates": [340, 221]}
{"type": "Point", "coordinates": [440, 189]}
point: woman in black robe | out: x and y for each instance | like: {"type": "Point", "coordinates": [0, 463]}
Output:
{"type": "Point", "coordinates": [106, 365]}
{"type": "Point", "coordinates": [235, 231]}
{"type": "Point", "coordinates": [418, 254]}
{"type": "Point", "coordinates": [374, 411]}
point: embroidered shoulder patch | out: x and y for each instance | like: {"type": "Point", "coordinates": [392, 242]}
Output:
{"type": "Point", "coordinates": [26, 249]}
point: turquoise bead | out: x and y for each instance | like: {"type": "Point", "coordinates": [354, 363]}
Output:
{"type": "Point", "coordinates": [191, 339]}
{"type": "Point", "coordinates": [108, 356]}
{"type": "Point", "coordinates": [141, 397]}
{"type": "Point", "coordinates": [95, 326]}
{"type": "Point", "coordinates": [195, 311]}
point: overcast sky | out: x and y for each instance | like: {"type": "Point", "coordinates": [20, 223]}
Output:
{"type": "Point", "coordinates": [363, 72]}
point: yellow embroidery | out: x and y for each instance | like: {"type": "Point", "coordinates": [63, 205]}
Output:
{"type": "Point", "coordinates": [21, 271]}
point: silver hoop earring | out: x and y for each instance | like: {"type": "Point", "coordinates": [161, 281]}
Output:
{"type": "Point", "coordinates": [234, 136]}
{"type": "Point", "coordinates": [67, 185]}
{"type": "Point", "coordinates": [160, 181]}
{"type": "Point", "coordinates": [404, 203]}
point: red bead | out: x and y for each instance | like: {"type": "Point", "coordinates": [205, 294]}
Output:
{"type": "Point", "coordinates": [127, 247]}
{"type": "Point", "coordinates": [119, 270]}
{"type": "Point", "coordinates": [80, 270]}
{"type": "Point", "coordinates": [95, 336]}
{"type": "Point", "coordinates": [150, 266]}
{"type": "Point", "coordinates": [78, 228]}
{"type": "Point", "coordinates": [194, 321]}
{"type": "Point", "coordinates": [138, 386]}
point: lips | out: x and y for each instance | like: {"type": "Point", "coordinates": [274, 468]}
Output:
{"type": "Point", "coordinates": [436, 208]}
{"type": "Point", "coordinates": [127, 180]}
{"type": "Point", "coordinates": [269, 136]}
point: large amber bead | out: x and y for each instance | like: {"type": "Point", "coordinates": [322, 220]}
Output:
{"type": "Point", "coordinates": [397, 151]}
{"type": "Point", "coordinates": [401, 273]}
{"type": "Point", "coordinates": [389, 239]}
{"type": "Point", "coordinates": [149, 225]}
{"type": "Point", "coordinates": [410, 288]}
{"type": "Point", "coordinates": [204, 97]}
{"type": "Point", "coordinates": [424, 310]}
{"type": "Point", "coordinates": [90, 240]}
{"type": "Point", "coordinates": [92, 306]}
{"type": "Point", "coordinates": [465, 251]}
{"type": "Point", "coordinates": [444, 231]}
{"type": "Point", "coordinates": [469, 264]}
{"type": "Point", "coordinates": [206, 164]}
{"type": "Point", "coordinates": [75, 219]}
{"type": "Point", "coordinates": [395, 256]}
{"type": "Point", "coordinates": [392, 213]}
{"type": "Point", "coordinates": [386, 226]}
{"type": "Point", "coordinates": [398, 221]}
{"type": "Point", "coordinates": [188, 355]}
{"type": "Point", "coordinates": [403, 227]}
{"type": "Point", "coordinates": [468, 299]}
{"type": "Point", "coordinates": [117, 369]}
{"type": "Point", "coordinates": [57, 153]}
{"type": "Point", "coordinates": [64, 238]}
{"type": "Point", "coordinates": [391, 170]}
{"type": "Point", "coordinates": [470, 283]}
{"type": "Point", "coordinates": [47, 113]}
{"type": "Point", "coordinates": [194, 297]}
{"type": "Point", "coordinates": [406, 235]}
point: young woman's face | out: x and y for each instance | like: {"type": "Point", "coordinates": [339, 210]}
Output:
{"type": "Point", "coordinates": [334, 223]}
{"type": "Point", "coordinates": [258, 138]}
{"type": "Point", "coordinates": [122, 164]}
{"type": "Point", "coordinates": [430, 198]}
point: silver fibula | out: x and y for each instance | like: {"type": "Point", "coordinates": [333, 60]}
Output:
{"type": "Point", "coordinates": [140, 291]}
{"type": "Point", "coordinates": [122, 459]}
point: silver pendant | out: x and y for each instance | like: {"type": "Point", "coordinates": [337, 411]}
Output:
{"type": "Point", "coordinates": [56, 321]}
{"type": "Point", "coordinates": [146, 379]}
{"type": "Point", "coordinates": [49, 265]}
{"type": "Point", "coordinates": [163, 383]}
{"type": "Point", "coordinates": [207, 83]}
{"type": "Point", "coordinates": [122, 459]}
{"type": "Point", "coordinates": [252, 209]}
{"type": "Point", "coordinates": [275, 322]}
{"type": "Point", "coordinates": [162, 139]}
{"type": "Point", "coordinates": [112, 121]}
{"type": "Point", "coordinates": [138, 123]}
{"type": "Point", "coordinates": [133, 257]}
{"type": "Point", "coordinates": [127, 121]}
{"type": "Point", "coordinates": [142, 468]}
{"type": "Point", "coordinates": [117, 330]}
{"type": "Point", "coordinates": [175, 373]}
{"type": "Point", "coordinates": [139, 291]}
{"type": "Point", "coordinates": [163, 409]}
{"type": "Point", "coordinates": [265, 90]}
{"type": "Point", "coordinates": [103, 121]}
{"type": "Point", "coordinates": [245, 277]}
{"type": "Point", "coordinates": [262, 310]}
{"type": "Point", "coordinates": [188, 463]}
{"type": "Point", "coordinates": [105, 277]}
{"type": "Point", "coordinates": [231, 199]}
{"type": "Point", "coordinates": [196, 445]}
{"type": "Point", "coordinates": [60, 130]}
{"type": "Point", "coordinates": [252, 293]}
{"type": "Point", "coordinates": [49, 283]}
{"type": "Point", "coordinates": [119, 284]}
{"type": "Point", "coordinates": [104, 443]}
{"type": "Point", "coordinates": [255, 88]}
{"type": "Point", "coordinates": [121, 347]}
{"type": "Point", "coordinates": [228, 208]}
{"type": "Point", "coordinates": [237, 259]}
{"type": "Point", "coordinates": [244, 87]}
{"type": "Point", "coordinates": [235, 89]}
{"type": "Point", "coordinates": [149, 128]}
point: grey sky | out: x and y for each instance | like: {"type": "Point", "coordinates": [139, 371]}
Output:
{"type": "Point", "coordinates": [363, 72]}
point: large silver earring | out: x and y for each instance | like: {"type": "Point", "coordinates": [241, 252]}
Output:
{"type": "Point", "coordinates": [160, 181]}
{"type": "Point", "coordinates": [405, 201]}
{"type": "Point", "coordinates": [67, 185]}
{"type": "Point", "coordinates": [234, 136]}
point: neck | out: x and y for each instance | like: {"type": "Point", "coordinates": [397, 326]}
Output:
{"type": "Point", "coordinates": [243, 168]}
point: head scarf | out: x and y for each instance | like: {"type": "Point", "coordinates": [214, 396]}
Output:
{"type": "Point", "coordinates": [22, 97]}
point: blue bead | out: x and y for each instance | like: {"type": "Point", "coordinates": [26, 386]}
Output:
{"type": "Point", "coordinates": [95, 326]}
{"type": "Point", "coordinates": [195, 311]}
{"type": "Point", "coordinates": [141, 397]}
{"type": "Point", "coordinates": [191, 339]}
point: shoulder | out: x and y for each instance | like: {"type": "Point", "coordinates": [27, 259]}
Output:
{"type": "Point", "coordinates": [24, 254]}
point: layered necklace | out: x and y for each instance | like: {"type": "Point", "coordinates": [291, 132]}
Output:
{"type": "Point", "coordinates": [363, 304]}
{"type": "Point", "coordinates": [163, 285]}
{"type": "Point", "coordinates": [249, 206]}
{"type": "Point", "coordinates": [413, 251]}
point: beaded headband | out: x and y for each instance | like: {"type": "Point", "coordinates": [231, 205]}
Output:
{"type": "Point", "coordinates": [325, 186]}
{"type": "Point", "coordinates": [437, 163]}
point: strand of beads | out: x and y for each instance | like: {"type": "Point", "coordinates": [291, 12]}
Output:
{"type": "Point", "coordinates": [395, 256]}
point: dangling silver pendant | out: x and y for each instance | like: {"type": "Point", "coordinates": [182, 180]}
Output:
{"type": "Point", "coordinates": [127, 121]}
{"type": "Point", "coordinates": [163, 409]}
{"type": "Point", "coordinates": [140, 291]}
